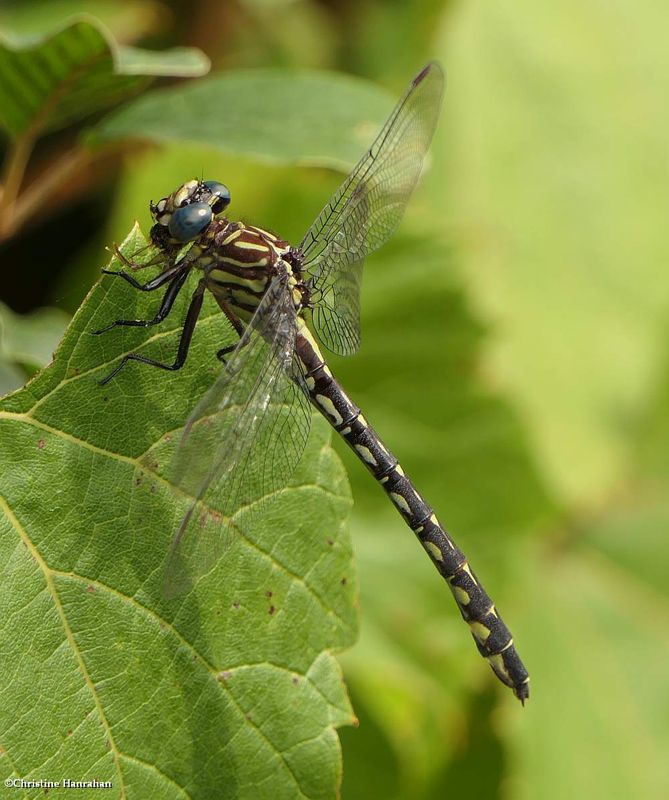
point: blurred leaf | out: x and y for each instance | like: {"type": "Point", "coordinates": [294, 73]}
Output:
{"type": "Point", "coordinates": [285, 33]}
{"type": "Point", "coordinates": [394, 28]}
{"type": "Point", "coordinates": [460, 441]}
{"type": "Point", "coordinates": [652, 456]}
{"type": "Point", "coordinates": [598, 644]}
{"type": "Point", "coordinates": [370, 765]}
{"type": "Point", "coordinates": [51, 82]}
{"type": "Point", "coordinates": [11, 377]}
{"type": "Point", "coordinates": [181, 62]}
{"type": "Point", "coordinates": [478, 768]}
{"type": "Point", "coordinates": [632, 534]}
{"type": "Point", "coordinates": [555, 153]}
{"type": "Point", "coordinates": [315, 118]}
{"type": "Point", "coordinates": [27, 341]}
{"type": "Point", "coordinates": [129, 20]}
{"type": "Point", "coordinates": [227, 692]}
{"type": "Point", "coordinates": [32, 338]}
{"type": "Point", "coordinates": [558, 123]}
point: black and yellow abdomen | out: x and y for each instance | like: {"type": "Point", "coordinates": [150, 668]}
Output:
{"type": "Point", "coordinates": [493, 638]}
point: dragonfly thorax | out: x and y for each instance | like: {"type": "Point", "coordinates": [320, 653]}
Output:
{"type": "Point", "coordinates": [239, 262]}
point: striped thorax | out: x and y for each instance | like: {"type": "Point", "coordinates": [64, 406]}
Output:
{"type": "Point", "coordinates": [239, 261]}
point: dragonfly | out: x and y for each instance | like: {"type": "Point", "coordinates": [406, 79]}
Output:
{"type": "Point", "coordinates": [245, 437]}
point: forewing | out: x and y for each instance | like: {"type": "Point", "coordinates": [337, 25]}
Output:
{"type": "Point", "coordinates": [243, 440]}
{"type": "Point", "coordinates": [366, 209]}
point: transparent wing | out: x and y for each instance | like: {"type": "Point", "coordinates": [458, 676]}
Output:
{"type": "Point", "coordinates": [366, 209]}
{"type": "Point", "coordinates": [243, 440]}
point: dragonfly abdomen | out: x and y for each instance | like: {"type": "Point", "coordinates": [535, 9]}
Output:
{"type": "Point", "coordinates": [493, 639]}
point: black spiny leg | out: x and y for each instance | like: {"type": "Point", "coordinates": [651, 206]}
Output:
{"type": "Point", "coordinates": [184, 343]}
{"type": "Point", "coordinates": [236, 323]}
{"type": "Point", "coordinates": [156, 283]}
{"type": "Point", "coordinates": [165, 307]}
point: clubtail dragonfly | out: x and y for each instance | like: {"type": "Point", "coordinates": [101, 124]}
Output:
{"type": "Point", "coordinates": [245, 437]}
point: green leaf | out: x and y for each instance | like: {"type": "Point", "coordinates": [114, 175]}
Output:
{"type": "Point", "coordinates": [27, 343]}
{"type": "Point", "coordinates": [130, 20]}
{"type": "Point", "coordinates": [54, 81]}
{"type": "Point", "coordinates": [31, 338]}
{"type": "Point", "coordinates": [11, 377]}
{"type": "Point", "coordinates": [230, 691]}
{"type": "Point", "coordinates": [298, 117]}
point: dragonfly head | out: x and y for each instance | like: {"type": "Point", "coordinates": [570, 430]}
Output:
{"type": "Point", "coordinates": [186, 213]}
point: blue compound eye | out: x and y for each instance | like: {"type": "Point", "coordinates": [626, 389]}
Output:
{"type": "Point", "coordinates": [187, 223]}
{"type": "Point", "coordinates": [220, 191]}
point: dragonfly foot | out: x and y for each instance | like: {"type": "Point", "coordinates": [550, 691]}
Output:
{"type": "Point", "coordinates": [223, 352]}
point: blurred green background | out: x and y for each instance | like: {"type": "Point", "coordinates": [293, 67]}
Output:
{"type": "Point", "coordinates": [514, 356]}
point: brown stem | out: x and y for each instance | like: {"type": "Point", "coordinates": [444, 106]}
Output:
{"type": "Point", "coordinates": [66, 178]}
{"type": "Point", "coordinates": [42, 191]}
{"type": "Point", "coordinates": [20, 150]}
{"type": "Point", "coordinates": [14, 170]}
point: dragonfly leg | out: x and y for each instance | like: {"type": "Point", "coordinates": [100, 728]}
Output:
{"type": "Point", "coordinates": [236, 323]}
{"type": "Point", "coordinates": [184, 342]}
{"type": "Point", "coordinates": [165, 307]}
{"type": "Point", "coordinates": [224, 351]}
{"type": "Point", "coordinates": [114, 250]}
{"type": "Point", "coordinates": [234, 320]}
{"type": "Point", "coordinates": [156, 283]}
